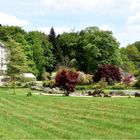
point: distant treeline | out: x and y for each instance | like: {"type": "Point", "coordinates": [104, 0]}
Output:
{"type": "Point", "coordinates": [84, 50]}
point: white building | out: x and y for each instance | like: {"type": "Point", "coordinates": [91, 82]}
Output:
{"type": "Point", "coordinates": [3, 64]}
{"type": "Point", "coordinates": [29, 77]}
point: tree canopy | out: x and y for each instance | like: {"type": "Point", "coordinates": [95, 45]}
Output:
{"type": "Point", "coordinates": [101, 48]}
{"type": "Point", "coordinates": [85, 50]}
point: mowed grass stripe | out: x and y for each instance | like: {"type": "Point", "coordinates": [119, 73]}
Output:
{"type": "Point", "coordinates": [39, 120]}
{"type": "Point", "coordinates": [11, 126]}
{"type": "Point", "coordinates": [41, 124]}
{"type": "Point", "coordinates": [64, 130]}
{"type": "Point", "coordinates": [92, 118]}
{"type": "Point", "coordinates": [130, 117]}
{"type": "Point", "coordinates": [112, 104]}
{"type": "Point", "coordinates": [96, 112]}
{"type": "Point", "coordinates": [28, 124]}
{"type": "Point", "coordinates": [69, 109]}
{"type": "Point", "coordinates": [50, 120]}
{"type": "Point", "coordinates": [95, 108]}
{"type": "Point", "coordinates": [13, 112]}
{"type": "Point", "coordinates": [97, 102]}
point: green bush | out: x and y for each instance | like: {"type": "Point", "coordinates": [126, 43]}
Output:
{"type": "Point", "coordinates": [102, 84]}
{"type": "Point", "coordinates": [85, 79]}
{"type": "Point", "coordinates": [50, 84]}
{"type": "Point", "coordinates": [137, 84]}
{"type": "Point", "coordinates": [19, 84]}
{"type": "Point", "coordinates": [46, 76]}
{"type": "Point", "coordinates": [25, 79]}
{"type": "Point", "coordinates": [29, 94]}
{"type": "Point", "coordinates": [29, 84]}
{"type": "Point", "coordinates": [82, 87]}
{"type": "Point", "coordinates": [53, 75]}
{"type": "Point", "coordinates": [118, 86]}
{"type": "Point", "coordinates": [111, 82]}
{"type": "Point", "coordinates": [86, 87]}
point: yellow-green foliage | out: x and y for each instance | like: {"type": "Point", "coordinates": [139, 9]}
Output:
{"type": "Point", "coordinates": [85, 79]}
{"type": "Point", "coordinates": [118, 86]}
{"type": "Point", "coordinates": [53, 75]}
{"type": "Point", "coordinates": [46, 76]}
{"type": "Point", "coordinates": [50, 83]}
{"type": "Point", "coordinates": [102, 84]}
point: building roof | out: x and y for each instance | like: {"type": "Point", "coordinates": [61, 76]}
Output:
{"type": "Point", "coordinates": [1, 44]}
{"type": "Point", "coordinates": [28, 75]}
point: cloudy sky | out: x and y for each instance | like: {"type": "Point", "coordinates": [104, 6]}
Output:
{"type": "Point", "coordinates": [120, 16]}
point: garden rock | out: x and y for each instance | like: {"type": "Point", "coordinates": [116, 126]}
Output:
{"type": "Point", "coordinates": [98, 91]}
{"type": "Point", "coordinates": [101, 95]}
{"type": "Point", "coordinates": [38, 88]}
{"type": "Point", "coordinates": [107, 95]}
{"type": "Point", "coordinates": [137, 94]}
{"type": "Point", "coordinates": [90, 93]}
{"type": "Point", "coordinates": [57, 91]}
{"type": "Point", "coordinates": [117, 93]}
{"type": "Point", "coordinates": [96, 95]}
{"type": "Point", "coordinates": [112, 93]}
{"type": "Point", "coordinates": [47, 90]}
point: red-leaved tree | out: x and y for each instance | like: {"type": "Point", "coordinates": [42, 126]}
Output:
{"type": "Point", "coordinates": [67, 79]}
{"type": "Point", "coordinates": [109, 72]}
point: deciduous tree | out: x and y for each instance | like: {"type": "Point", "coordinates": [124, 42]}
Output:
{"type": "Point", "coordinates": [109, 72]}
{"type": "Point", "coordinates": [67, 79]}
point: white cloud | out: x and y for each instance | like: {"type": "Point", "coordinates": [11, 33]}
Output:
{"type": "Point", "coordinates": [127, 12]}
{"type": "Point", "coordinates": [40, 13]}
{"type": "Point", "coordinates": [75, 4]}
{"type": "Point", "coordinates": [131, 31]}
{"type": "Point", "coordinates": [106, 27]}
{"type": "Point", "coordinates": [135, 19]}
{"type": "Point", "coordinates": [128, 35]}
{"type": "Point", "coordinates": [135, 5]}
{"type": "Point", "coordinates": [75, 12]}
{"type": "Point", "coordinates": [7, 19]}
{"type": "Point", "coordinates": [92, 5]}
{"type": "Point", "coordinates": [121, 16]}
{"type": "Point", "coordinates": [58, 30]}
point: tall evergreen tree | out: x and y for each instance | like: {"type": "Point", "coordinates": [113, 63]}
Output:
{"type": "Point", "coordinates": [57, 51]}
{"type": "Point", "coordinates": [52, 37]}
{"type": "Point", "coordinates": [17, 63]}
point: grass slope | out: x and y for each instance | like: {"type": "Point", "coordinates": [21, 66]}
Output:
{"type": "Point", "coordinates": [44, 117]}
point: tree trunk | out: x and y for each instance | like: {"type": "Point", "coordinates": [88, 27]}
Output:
{"type": "Point", "coordinates": [14, 84]}
{"type": "Point", "coordinates": [67, 93]}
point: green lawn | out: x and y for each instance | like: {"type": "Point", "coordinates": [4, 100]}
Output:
{"type": "Point", "coordinates": [45, 117]}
